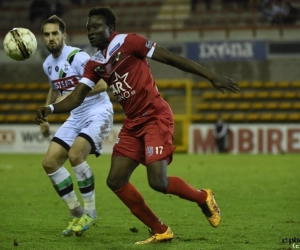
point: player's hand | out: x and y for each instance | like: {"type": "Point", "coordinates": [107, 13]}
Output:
{"type": "Point", "coordinates": [41, 115]}
{"type": "Point", "coordinates": [45, 129]}
{"type": "Point", "coordinates": [224, 84]}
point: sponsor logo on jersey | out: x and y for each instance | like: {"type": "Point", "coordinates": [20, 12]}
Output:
{"type": "Point", "coordinates": [120, 88]}
{"type": "Point", "coordinates": [56, 68]}
{"type": "Point", "coordinates": [98, 57]}
{"type": "Point", "coordinates": [149, 150]}
{"type": "Point", "coordinates": [114, 49]}
{"type": "Point", "coordinates": [148, 44]}
{"type": "Point", "coordinates": [65, 83]}
{"type": "Point", "coordinates": [66, 67]}
{"type": "Point", "coordinates": [117, 58]}
{"type": "Point", "coordinates": [50, 70]}
{"type": "Point", "coordinates": [99, 69]}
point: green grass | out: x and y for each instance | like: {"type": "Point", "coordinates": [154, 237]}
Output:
{"type": "Point", "coordinates": [259, 197]}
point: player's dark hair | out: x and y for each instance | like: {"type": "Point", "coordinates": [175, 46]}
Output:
{"type": "Point", "coordinates": [56, 20]}
{"type": "Point", "coordinates": [110, 16]}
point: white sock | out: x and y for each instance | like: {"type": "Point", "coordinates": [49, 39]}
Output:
{"type": "Point", "coordinates": [63, 185]}
{"type": "Point", "coordinates": [85, 180]}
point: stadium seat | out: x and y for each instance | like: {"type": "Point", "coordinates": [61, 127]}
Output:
{"type": "Point", "coordinates": [262, 94]}
{"type": "Point", "coordinates": [217, 106]}
{"type": "Point", "coordinates": [6, 86]}
{"type": "Point", "coordinates": [244, 84]}
{"type": "Point", "coordinates": [32, 106]}
{"type": "Point", "coordinates": [220, 95]}
{"type": "Point", "coordinates": [270, 84]}
{"type": "Point", "coordinates": [230, 106]}
{"type": "Point", "coordinates": [203, 106]}
{"type": "Point", "coordinates": [202, 85]}
{"type": "Point", "coordinates": [276, 94]}
{"type": "Point", "coordinates": [256, 84]}
{"type": "Point", "coordinates": [257, 105]}
{"type": "Point", "coordinates": [238, 117]}
{"type": "Point", "coordinates": [285, 105]}
{"type": "Point", "coordinates": [12, 97]}
{"type": "Point", "coordinates": [212, 117]}
{"type": "Point", "coordinates": [247, 95]}
{"type": "Point", "coordinates": [18, 107]}
{"type": "Point", "coordinates": [266, 117]}
{"type": "Point", "coordinates": [20, 86]}
{"type": "Point", "coordinates": [39, 97]}
{"type": "Point", "coordinates": [296, 105]}
{"type": "Point", "coordinates": [243, 105]}
{"type": "Point", "coordinates": [294, 117]}
{"type": "Point", "coordinates": [5, 107]}
{"type": "Point", "coordinates": [280, 117]}
{"type": "Point", "coordinates": [290, 95]}
{"type": "Point", "coordinates": [26, 118]}
{"type": "Point", "coordinates": [27, 97]}
{"type": "Point", "coordinates": [295, 84]}
{"type": "Point", "coordinates": [283, 84]}
{"type": "Point", "coordinates": [271, 105]}
{"type": "Point", "coordinates": [208, 95]}
{"type": "Point", "coordinates": [252, 117]}
{"type": "Point", "coordinates": [197, 117]}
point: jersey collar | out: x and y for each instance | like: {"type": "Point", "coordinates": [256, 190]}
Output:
{"type": "Point", "coordinates": [112, 36]}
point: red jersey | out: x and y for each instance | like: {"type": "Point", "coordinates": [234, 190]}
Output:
{"type": "Point", "coordinates": [123, 65]}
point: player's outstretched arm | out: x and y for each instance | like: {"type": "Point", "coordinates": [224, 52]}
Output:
{"type": "Point", "coordinates": [101, 86]}
{"type": "Point", "coordinates": [66, 105]}
{"type": "Point", "coordinates": [221, 83]}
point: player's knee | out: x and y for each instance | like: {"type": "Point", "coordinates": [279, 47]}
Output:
{"type": "Point", "coordinates": [49, 165]}
{"type": "Point", "coordinates": [159, 186]}
{"type": "Point", "coordinates": [75, 158]}
{"type": "Point", "coordinates": [114, 184]}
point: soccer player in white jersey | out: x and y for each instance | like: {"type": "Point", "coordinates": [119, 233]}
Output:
{"type": "Point", "coordinates": [83, 132]}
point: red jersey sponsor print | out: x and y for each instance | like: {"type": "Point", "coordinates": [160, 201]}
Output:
{"type": "Point", "coordinates": [65, 83]}
{"type": "Point", "coordinates": [123, 65]}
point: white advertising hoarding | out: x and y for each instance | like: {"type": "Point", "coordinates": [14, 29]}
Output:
{"type": "Point", "coordinates": [247, 138]}
{"type": "Point", "coordinates": [242, 138]}
{"type": "Point", "coordinates": [29, 139]}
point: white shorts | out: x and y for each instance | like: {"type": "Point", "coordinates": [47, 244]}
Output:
{"type": "Point", "coordinates": [94, 127]}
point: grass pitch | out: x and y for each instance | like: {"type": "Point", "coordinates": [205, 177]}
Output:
{"type": "Point", "coordinates": [259, 197]}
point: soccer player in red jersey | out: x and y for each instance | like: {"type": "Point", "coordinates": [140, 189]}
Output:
{"type": "Point", "coordinates": [146, 136]}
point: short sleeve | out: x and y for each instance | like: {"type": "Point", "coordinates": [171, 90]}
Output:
{"type": "Point", "coordinates": [80, 61]}
{"type": "Point", "coordinates": [139, 46]}
{"type": "Point", "coordinates": [90, 77]}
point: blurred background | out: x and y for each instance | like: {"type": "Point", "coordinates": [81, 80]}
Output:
{"type": "Point", "coordinates": [256, 42]}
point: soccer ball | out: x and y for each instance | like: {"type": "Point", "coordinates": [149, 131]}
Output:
{"type": "Point", "coordinates": [19, 44]}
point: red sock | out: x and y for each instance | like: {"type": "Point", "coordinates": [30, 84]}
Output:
{"type": "Point", "coordinates": [179, 187]}
{"type": "Point", "coordinates": [136, 203]}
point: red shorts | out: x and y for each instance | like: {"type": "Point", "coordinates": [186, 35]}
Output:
{"type": "Point", "coordinates": [148, 139]}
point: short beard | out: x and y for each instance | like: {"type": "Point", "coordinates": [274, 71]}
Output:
{"type": "Point", "coordinates": [54, 50]}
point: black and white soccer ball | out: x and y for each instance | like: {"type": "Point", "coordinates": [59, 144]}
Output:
{"type": "Point", "coordinates": [20, 44]}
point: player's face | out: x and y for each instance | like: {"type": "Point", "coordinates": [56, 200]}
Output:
{"type": "Point", "coordinates": [53, 38]}
{"type": "Point", "coordinates": [98, 32]}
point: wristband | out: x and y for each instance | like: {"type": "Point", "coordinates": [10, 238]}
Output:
{"type": "Point", "coordinates": [51, 107]}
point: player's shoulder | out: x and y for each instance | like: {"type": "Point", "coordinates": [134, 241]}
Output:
{"type": "Point", "coordinates": [70, 51]}
{"type": "Point", "coordinates": [48, 61]}
{"type": "Point", "coordinates": [133, 36]}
